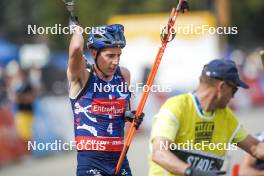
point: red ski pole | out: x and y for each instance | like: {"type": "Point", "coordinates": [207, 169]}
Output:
{"type": "Point", "coordinates": [182, 6]}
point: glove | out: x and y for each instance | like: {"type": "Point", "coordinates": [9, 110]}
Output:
{"type": "Point", "coordinates": [197, 172]}
{"type": "Point", "coordinates": [131, 115]}
{"type": "Point", "coordinates": [73, 22]}
{"type": "Point", "coordinates": [185, 6]}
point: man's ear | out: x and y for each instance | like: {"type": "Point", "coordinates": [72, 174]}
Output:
{"type": "Point", "coordinates": [93, 52]}
{"type": "Point", "coordinates": [221, 85]}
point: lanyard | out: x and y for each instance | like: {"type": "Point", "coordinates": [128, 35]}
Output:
{"type": "Point", "coordinates": [198, 103]}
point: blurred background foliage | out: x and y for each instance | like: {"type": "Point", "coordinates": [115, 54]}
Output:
{"type": "Point", "coordinates": [15, 15]}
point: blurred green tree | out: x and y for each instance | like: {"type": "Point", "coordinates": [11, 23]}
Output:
{"type": "Point", "coordinates": [248, 16]}
{"type": "Point", "coordinates": [15, 15]}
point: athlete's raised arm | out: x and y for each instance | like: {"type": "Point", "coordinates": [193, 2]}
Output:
{"type": "Point", "coordinates": [76, 71]}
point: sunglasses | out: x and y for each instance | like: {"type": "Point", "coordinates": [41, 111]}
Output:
{"type": "Point", "coordinates": [234, 87]}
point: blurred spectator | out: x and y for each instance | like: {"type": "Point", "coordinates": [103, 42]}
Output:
{"type": "Point", "coordinates": [254, 74]}
{"type": "Point", "coordinates": [24, 86]}
{"type": "Point", "coordinates": [24, 98]}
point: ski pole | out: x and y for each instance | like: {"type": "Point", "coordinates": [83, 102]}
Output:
{"type": "Point", "coordinates": [182, 6]}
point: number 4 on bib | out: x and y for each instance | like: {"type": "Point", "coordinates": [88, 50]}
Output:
{"type": "Point", "coordinates": [110, 128]}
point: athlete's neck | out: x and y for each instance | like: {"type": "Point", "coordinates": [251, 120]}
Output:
{"type": "Point", "coordinates": [206, 99]}
{"type": "Point", "coordinates": [102, 75]}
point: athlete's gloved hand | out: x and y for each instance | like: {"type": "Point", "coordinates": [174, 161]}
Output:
{"type": "Point", "coordinates": [197, 172]}
{"type": "Point", "coordinates": [185, 6]}
{"type": "Point", "coordinates": [131, 115]}
{"type": "Point", "coordinates": [73, 22]}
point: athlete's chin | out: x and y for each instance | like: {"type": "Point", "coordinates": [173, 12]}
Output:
{"type": "Point", "coordinates": [111, 72]}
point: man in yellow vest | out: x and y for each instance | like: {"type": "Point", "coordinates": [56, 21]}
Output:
{"type": "Point", "coordinates": [192, 132]}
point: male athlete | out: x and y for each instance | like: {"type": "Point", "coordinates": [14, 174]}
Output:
{"type": "Point", "coordinates": [192, 132]}
{"type": "Point", "coordinates": [100, 100]}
